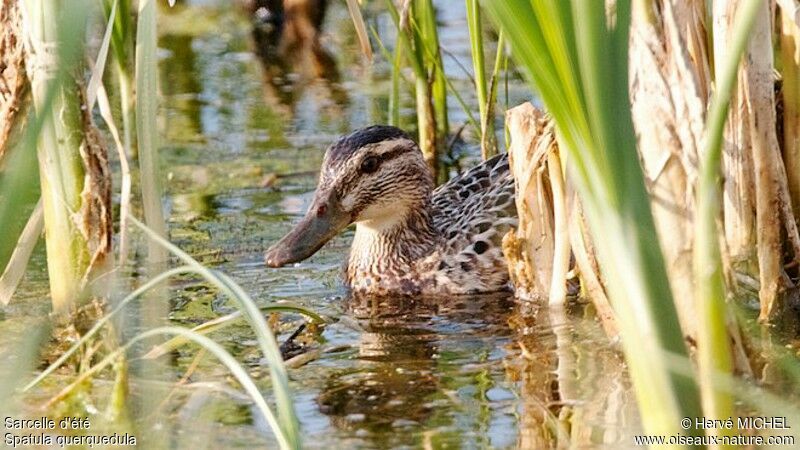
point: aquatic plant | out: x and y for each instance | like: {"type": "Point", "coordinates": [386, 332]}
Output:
{"type": "Point", "coordinates": [73, 163]}
{"type": "Point", "coordinates": [578, 63]}
{"type": "Point", "coordinates": [486, 90]}
{"type": "Point", "coordinates": [75, 187]}
{"type": "Point", "coordinates": [576, 56]}
{"type": "Point", "coordinates": [418, 42]}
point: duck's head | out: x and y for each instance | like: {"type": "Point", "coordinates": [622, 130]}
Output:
{"type": "Point", "coordinates": [373, 176]}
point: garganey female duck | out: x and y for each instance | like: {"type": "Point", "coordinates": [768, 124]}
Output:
{"type": "Point", "coordinates": [410, 239]}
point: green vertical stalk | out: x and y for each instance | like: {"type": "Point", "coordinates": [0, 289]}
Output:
{"type": "Point", "coordinates": [482, 90]}
{"type": "Point", "coordinates": [394, 97]}
{"type": "Point", "coordinates": [146, 81]}
{"type": "Point", "coordinates": [127, 109]}
{"type": "Point", "coordinates": [425, 15]}
{"type": "Point", "coordinates": [56, 52]}
{"type": "Point", "coordinates": [122, 47]}
{"type": "Point", "coordinates": [414, 49]}
{"type": "Point", "coordinates": [146, 124]}
{"type": "Point", "coordinates": [426, 121]}
{"type": "Point", "coordinates": [713, 347]}
{"type": "Point", "coordinates": [500, 59]}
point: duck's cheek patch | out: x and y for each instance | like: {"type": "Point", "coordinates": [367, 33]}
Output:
{"type": "Point", "coordinates": [348, 202]}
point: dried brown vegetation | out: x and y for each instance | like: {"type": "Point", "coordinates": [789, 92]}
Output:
{"type": "Point", "coordinates": [13, 80]}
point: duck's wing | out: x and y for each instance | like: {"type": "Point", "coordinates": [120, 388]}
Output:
{"type": "Point", "coordinates": [463, 205]}
{"type": "Point", "coordinates": [473, 212]}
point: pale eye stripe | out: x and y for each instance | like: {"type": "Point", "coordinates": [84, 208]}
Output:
{"type": "Point", "coordinates": [392, 145]}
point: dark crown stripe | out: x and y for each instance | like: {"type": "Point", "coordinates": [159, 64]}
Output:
{"type": "Point", "coordinates": [345, 147]}
{"type": "Point", "coordinates": [373, 135]}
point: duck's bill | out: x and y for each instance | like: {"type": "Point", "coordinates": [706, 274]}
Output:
{"type": "Point", "coordinates": [308, 236]}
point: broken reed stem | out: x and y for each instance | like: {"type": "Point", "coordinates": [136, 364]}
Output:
{"type": "Point", "coordinates": [561, 249]}
{"type": "Point", "coordinates": [538, 252]}
{"type": "Point", "coordinates": [13, 80]}
{"type": "Point", "coordinates": [760, 98]}
{"type": "Point", "coordinates": [589, 272]}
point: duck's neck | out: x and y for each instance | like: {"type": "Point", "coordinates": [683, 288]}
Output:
{"type": "Point", "coordinates": [386, 245]}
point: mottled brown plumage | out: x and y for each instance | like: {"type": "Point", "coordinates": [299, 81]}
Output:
{"type": "Point", "coordinates": [410, 238]}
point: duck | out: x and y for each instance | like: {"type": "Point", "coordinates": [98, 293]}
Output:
{"type": "Point", "coordinates": [411, 238]}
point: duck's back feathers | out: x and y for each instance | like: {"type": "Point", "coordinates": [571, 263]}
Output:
{"type": "Point", "coordinates": [473, 212]}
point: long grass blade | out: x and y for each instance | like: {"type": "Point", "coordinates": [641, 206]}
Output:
{"type": "Point", "coordinates": [714, 352]}
{"type": "Point", "coordinates": [102, 321]}
{"type": "Point", "coordinates": [18, 262]}
{"type": "Point", "coordinates": [266, 339]}
{"type": "Point", "coordinates": [146, 126]}
{"type": "Point", "coordinates": [225, 321]}
{"type": "Point", "coordinates": [100, 63]}
{"type": "Point", "coordinates": [285, 440]}
{"type": "Point", "coordinates": [361, 28]}
{"type": "Point", "coordinates": [141, 290]}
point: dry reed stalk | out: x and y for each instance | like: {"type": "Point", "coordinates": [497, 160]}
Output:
{"type": "Point", "coordinates": [790, 11]}
{"type": "Point", "coordinates": [530, 250]}
{"type": "Point", "coordinates": [589, 271]}
{"type": "Point", "coordinates": [13, 79]}
{"type": "Point", "coordinates": [790, 59]}
{"type": "Point", "coordinates": [549, 230]}
{"type": "Point", "coordinates": [758, 78]}
{"type": "Point", "coordinates": [561, 246]}
{"type": "Point", "coordinates": [668, 90]}
{"type": "Point", "coordinates": [426, 121]}
{"type": "Point", "coordinates": [739, 202]}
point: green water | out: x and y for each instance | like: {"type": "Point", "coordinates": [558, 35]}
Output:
{"type": "Point", "coordinates": [466, 372]}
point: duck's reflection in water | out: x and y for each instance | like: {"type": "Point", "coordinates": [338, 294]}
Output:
{"type": "Point", "coordinates": [287, 41]}
{"type": "Point", "coordinates": [399, 380]}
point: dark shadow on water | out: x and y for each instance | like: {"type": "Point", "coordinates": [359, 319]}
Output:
{"type": "Point", "coordinates": [286, 38]}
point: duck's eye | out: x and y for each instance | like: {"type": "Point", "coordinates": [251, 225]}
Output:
{"type": "Point", "coordinates": [369, 164]}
